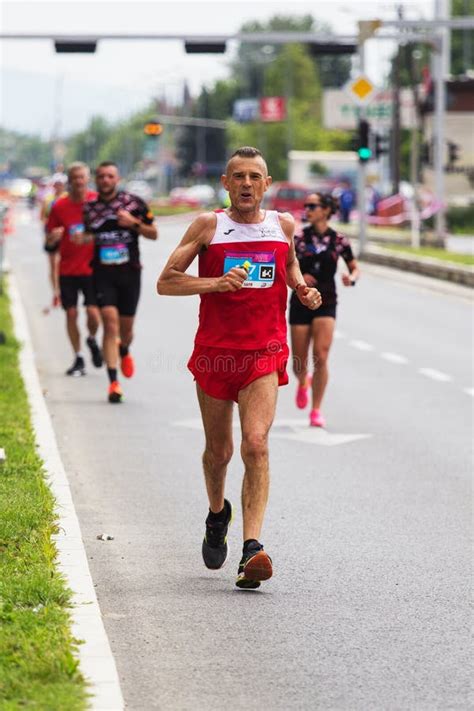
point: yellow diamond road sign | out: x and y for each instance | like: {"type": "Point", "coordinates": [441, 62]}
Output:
{"type": "Point", "coordinates": [361, 88]}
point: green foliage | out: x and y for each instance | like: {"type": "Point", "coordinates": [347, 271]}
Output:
{"type": "Point", "coordinates": [332, 71]}
{"type": "Point", "coordinates": [317, 168]}
{"type": "Point", "coordinates": [461, 219]}
{"type": "Point", "coordinates": [462, 41]}
{"type": "Point", "coordinates": [23, 151]}
{"type": "Point", "coordinates": [415, 56]}
{"type": "Point", "coordinates": [38, 662]}
{"type": "Point", "coordinates": [122, 143]}
{"type": "Point", "coordinates": [258, 70]}
{"type": "Point", "coordinates": [433, 252]}
{"type": "Point", "coordinates": [86, 144]}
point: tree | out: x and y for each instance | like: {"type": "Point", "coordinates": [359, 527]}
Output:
{"type": "Point", "coordinates": [462, 41]}
{"type": "Point", "coordinates": [21, 151]}
{"type": "Point", "coordinates": [85, 145]}
{"type": "Point", "coordinates": [293, 74]}
{"type": "Point", "coordinates": [271, 70]}
{"type": "Point", "coordinates": [333, 71]}
{"type": "Point", "coordinates": [206, 146]}
{"type": "Point", "coordinates": [415, 55]}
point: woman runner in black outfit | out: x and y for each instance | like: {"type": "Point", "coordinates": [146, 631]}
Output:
{"type": "Point", "coordinates": [318, 249]}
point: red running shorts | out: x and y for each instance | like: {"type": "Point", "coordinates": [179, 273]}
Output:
{"type": "Point", "coordinates": [223, 372]}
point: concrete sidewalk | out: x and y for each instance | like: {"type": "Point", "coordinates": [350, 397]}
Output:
{"type": "Point", "coordinates": [428, 266]}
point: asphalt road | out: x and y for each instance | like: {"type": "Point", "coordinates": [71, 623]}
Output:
{"type": "Point", "coordinates": [371, 537]}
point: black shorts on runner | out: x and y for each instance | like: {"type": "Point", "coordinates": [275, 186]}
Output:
{"type": "Point", "coordinates": [70, 286]}
{"type": "Point", "coordinates": [51, 248]}
{"type": "Point", "coordinates": [300, 315]}
{"type": "Point", "coordinates": [118, 286]}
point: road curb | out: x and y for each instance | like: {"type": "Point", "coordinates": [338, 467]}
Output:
{"type": "Point", "coordinates": [95, 656]}
{"type": "Point", "coordinates": [427, 266]}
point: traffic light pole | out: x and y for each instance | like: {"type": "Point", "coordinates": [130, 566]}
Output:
{"type": "Point", "coordinates": [439, 65]}
{"type": "Point", "coordinates": [362, 171]}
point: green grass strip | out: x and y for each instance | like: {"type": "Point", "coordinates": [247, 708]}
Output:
{"type": "Point", "coordinates": [435, 252]}
{"type": "Point", "coordinates": [167, 210]}
{"type": "Point", "coordinates": [38, 655]}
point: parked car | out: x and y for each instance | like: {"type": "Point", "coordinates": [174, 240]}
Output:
{"type": "Point", "coordinates": [179, 196]}
{"type": "Point", "coordinates": [286, 197]}
{"type": "Point", "coordinates": [19, 187]}
{"type": "Point", "coordinates": [204, 194]}
{"type": "Point", "coordinates": [194, 196]}
{"type": "Point", "coordinates": [140, 188]}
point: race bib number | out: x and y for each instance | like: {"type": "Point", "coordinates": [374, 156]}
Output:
{"type": "Point", "coordinates": [260, 267]}
{"type": "Point", "coordinates": [77, 229]}
{"type": "Point", "coordinates": [116, 254]}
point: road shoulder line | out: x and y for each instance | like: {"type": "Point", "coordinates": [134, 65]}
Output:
{"type": "Point", "coordinates": [95, 655]}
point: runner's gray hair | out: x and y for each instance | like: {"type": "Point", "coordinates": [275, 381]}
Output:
{"type": "Point", "coordinates": [247, 152]}
{"type": "Point", "coordinates": [76, 166]}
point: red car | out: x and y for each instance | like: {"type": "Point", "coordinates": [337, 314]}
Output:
{"type": "Point", "coordinates": [286, 197]}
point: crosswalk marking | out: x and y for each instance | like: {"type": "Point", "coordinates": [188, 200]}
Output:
{"type": "Point", "coordinates": [394, 358]}
{"type": "Point", "coordinates": [295, 430]}
{"type": "Point", "coordinates": [435, 375]}
{"type": "Point", "coordinates": [362, 345]}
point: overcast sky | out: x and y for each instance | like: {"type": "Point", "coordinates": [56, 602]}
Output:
{"type": "Point", "coordinates": [43, 92]}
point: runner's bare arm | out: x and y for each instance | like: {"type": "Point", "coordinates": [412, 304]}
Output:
{"type": "Point", "coordinates": [351, 278]}
{"type": "Point", "coordinates": [174, 281]}
{"type": "Point", "coordinates": [148, 231]}
{"type": "Point", "coordinates": [126, 219]}
{"type": "Point", "coordinates": [309, 296]}
{"type": "Point", "coordinates": [293, 271]}
{"type": "Point", "coordinates": [54, 236]}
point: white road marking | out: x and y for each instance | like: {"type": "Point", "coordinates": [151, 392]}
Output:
{"type": "Point", "coordinates": [96, 660]}
{"type": "Point", "coordinates": [293, 430]}
{"type": "Point", "coordinates": [394, 358]}
{"type": "Point", "coordinates": [362, 345]}
{"type": "Point", "coordinates": [23, 218]}
{"type": "Point", "coordinates": [469, 391]}
{"type": "Point", "coordinates": [435, 375]}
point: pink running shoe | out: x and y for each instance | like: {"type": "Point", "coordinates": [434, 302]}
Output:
{"type": "Point", "coordinates": [316, 419]}
{"type": "Point", "coordinates": [302, 394]}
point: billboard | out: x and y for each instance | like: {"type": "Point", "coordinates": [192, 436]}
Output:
{"type": "Point", "coordinates": [266, 109]}
{"type": "Point", "coordinates": [341, 111]}
{"type": "Point", "coordinates": [273, 108]}
{"type": "Point", "coordinates": [246, 110]}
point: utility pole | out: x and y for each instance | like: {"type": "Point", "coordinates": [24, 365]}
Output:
{"type": "Point", "coordinates": [362, 169]}
{"type": "Point", "coordinates": [439, 69]}
{"type": "Point", "coordinates": [395, 144]}
{"type": "Point", "coordinates": [412, 65]}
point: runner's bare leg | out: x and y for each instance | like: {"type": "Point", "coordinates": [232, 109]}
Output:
{"type": "Point", "coordinates": [217, 420]}
{"type": "Point", "coordinates": [257, 404]}
{"type": "Point", "coordinates": [110, 318]}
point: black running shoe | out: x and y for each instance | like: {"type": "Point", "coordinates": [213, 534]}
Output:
{"type": "Point", "coordinates": [255, 566]}
{"type": "Point", "coordinates": [214, 545]}
{"type": "Point", "coordinates": [96, 353]}
{"type": "Point", "coordinates": [78, 368]}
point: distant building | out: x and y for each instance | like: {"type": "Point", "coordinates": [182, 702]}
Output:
{"type": "Point", "coordinates": [459, 147]}
{"type": "Point", "coordinates": [322, 170]}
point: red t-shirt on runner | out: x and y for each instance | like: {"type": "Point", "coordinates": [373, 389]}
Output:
{"type": "Point", "coordinates": [75, 259]}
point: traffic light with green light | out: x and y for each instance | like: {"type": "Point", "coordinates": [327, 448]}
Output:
{"type": "Point", "coordinates": [364, 150]}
